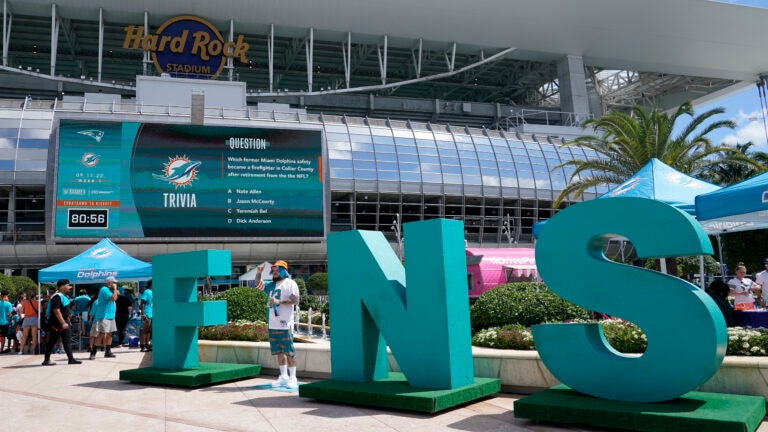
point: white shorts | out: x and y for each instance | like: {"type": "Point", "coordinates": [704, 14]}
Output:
{"type": "Point", "coordinates": [106, 326]}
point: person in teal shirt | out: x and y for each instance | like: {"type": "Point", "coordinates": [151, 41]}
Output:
{"type": "Point", "coordinates": [5, 315]}
{"type": "Point", "coordinates": [105, 317]}
{"type": "Point", "coordinates": [145, 310]}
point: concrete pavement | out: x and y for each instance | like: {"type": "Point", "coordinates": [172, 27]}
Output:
{"type": "Point", "coordinates": [90, 397]}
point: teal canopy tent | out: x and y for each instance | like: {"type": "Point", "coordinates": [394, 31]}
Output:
{"type": "Point", "coordinates": [740, 207]}
{"type": "Point", "coordinates": [658, 181]}
{"type": "Point", "coordinates": [97, 263]}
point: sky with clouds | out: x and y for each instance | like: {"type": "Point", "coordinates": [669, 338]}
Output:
{"type": "Point", "coordinates": [744, 108]}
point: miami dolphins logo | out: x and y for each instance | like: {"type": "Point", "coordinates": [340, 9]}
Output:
{"type": "Point", "coordinates": [101, 253]}
{"type": "Point", "coordinates": [621, 190]}
{"type": "Point", "coordinates": [179, 171]}
{"type": "Point", "coordinates": [93, 133]}
{"type": "Point", "coordinates": [89, 159]}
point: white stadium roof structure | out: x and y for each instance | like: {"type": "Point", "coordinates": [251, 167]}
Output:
{"type": "Point", "coordinates": [498, 58]}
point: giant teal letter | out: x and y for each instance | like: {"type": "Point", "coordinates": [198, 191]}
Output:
{"type": "Point", "coordinates": [686, 332]}
{"type": "Point", "coordinates": [177, 313]}
{"type": "Point", "coordinates": [426, 325]}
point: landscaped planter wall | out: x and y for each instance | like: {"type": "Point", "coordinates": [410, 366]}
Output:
{"type": "Point", "coordinates": [519, 371]}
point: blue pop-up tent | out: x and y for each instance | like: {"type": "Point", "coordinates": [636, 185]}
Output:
{"type": "Point", "coordinates": [739, 207]}
{"type": "Point", "coordinates": [97, 263]}
{"type": "Point", "coordinates": [658, 181]}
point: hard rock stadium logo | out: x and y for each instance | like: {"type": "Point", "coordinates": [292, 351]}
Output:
{"type": "Point", "coordinates": [187, 47]}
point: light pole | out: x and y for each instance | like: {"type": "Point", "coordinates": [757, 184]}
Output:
{"type": "Point", "coordinates": [507, 228]}
{"type": "Point", "coordinates": [398, 235]}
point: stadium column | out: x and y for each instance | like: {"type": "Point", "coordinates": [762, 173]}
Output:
{"type": "Point", "coordinates": [573, 87]}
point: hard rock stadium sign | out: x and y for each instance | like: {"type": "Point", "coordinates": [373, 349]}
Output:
{"type": "Point", "coordinates": [187, 46]}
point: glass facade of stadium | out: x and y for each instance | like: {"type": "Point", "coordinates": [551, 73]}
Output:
{"type": "Point", "coordinates": [379, 169]}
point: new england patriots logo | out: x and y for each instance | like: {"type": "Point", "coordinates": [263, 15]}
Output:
{"type": "Point", "coordinates": [180, 171]}
{"type": "Point", "coordinates": [93, 133]}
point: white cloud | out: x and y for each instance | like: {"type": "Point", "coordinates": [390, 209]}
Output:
{"type": "Point", "coordinates": [749, 127]}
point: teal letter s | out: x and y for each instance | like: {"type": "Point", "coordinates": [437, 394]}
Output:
{"type": "Point", "coordinates": [686, 332]}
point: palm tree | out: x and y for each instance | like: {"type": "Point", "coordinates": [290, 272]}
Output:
{"type": "Point", "coordinates": [628, 141]}
{"type": "Point", "coordinates": [727, 173]}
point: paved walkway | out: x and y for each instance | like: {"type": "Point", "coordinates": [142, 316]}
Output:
{"type": "Point", "coordinates": [90, 397]}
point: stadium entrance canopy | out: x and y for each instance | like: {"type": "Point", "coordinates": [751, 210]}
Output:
{"type": "Point", "coordinates": [628, 53]}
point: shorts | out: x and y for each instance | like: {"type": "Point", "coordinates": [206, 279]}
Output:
{"type": "Point", "coordinates": [281, 342]}
{"type": "Point", "coordinates": [4, 329]}
{"type": "Point", "coordinates": [106, 326]}
{"type": "Point", "coordinates": [29, 322]}
{"type": "Point", "coordinates": [94, 331]}
{"type": "Point", "coordinates": [146, 326]}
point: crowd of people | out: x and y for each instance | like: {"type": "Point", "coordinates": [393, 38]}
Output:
{"type": "Point", "coordinates": [44, 325]}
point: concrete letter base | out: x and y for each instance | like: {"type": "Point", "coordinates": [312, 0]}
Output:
{"type": "Point", "coordinates": [205, 374]}
{"type": "Point", "coordinates": [694, 411]}
{"type": "Point", "coordinates": [394, 392]}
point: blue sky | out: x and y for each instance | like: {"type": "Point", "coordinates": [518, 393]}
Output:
{"type": "Point", "coordinates": [744, 109]}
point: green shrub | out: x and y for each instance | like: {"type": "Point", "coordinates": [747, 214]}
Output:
{"type": "Point", "coordinates": [624, 336]}
{"type": "Point", "coordinates": [239, 331]}
{"type": "Point", "coordinates": [310, 301]}
{"type": "Point", "coordinates": [525, 303]}
{"type": "Point", "coordinates": [243, 303]}
{"type": "Point", "coordinates": [513, 336]}
{"type": "Point", "coordinates": [7, 285]}
{"type": "Point", "coordinates": [302, 286]}
{"type": "Point", "coordinates": [327, 311]}
{"type": "Point", "coordinates": [318, 283]}
{"type": "Point", "coordinates": [22, 284]}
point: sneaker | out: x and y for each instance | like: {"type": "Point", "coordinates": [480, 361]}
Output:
{"type": "Point", "coordinates": [48, 363]}
{"type": "Point", "coordinates": [93, 354]}
{"type": "Point", "coordinates": [148, 348]}
{"type": "Point", "coordinates": [292, 384]}
{"type": "Point", "coordinates": [281, 381]}
{"type": "Point", "coordinates": [75, 361]}
{"type": "Point", "coordinates": [109, 354]}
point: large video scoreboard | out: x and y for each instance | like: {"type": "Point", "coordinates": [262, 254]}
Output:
{"type": "Point", "coordinates": [145, 180]}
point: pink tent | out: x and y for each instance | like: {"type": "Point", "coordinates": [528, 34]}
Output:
{"type": "Point", "coordinates": [488, 268]}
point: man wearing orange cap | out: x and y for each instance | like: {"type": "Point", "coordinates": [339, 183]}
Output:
{"type": "Point", "coordinates": [282, 293]}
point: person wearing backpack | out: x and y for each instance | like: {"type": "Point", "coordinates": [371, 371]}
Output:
{"type": "Point", "coordinates": [57, 314]}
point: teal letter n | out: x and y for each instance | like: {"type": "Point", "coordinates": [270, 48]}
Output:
{"type": "Point", "coordinates": [425, 322]}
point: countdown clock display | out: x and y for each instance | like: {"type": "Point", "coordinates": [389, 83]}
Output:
{"type": "Point", "coordinates": [78, 218]}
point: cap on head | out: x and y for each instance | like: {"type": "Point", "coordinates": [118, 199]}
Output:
{"type": "Point", "coordinates": [111, 279]}
{"type": "Point", "coordinates": [281, 263]}
{"type": "Point", "coordinates": [61, 282]}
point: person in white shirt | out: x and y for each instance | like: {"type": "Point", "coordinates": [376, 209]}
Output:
{"type": "Point", "coordinates": [742, 288]}
{"type": "Point", "coordinates": [761, 279]}
{"type": "Point", "coordinates": [283, 293]}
